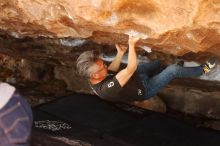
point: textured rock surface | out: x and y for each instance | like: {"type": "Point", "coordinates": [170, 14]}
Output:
{"type": "Point", "coordinates": [37, 56]}
{"type": "Point", "coordinates": [171, 26]}
{"type": "Point", "coordinates": [199, 98]}
{"type": "Point", "coordinates": [155, 104]}
{"type": "Point", "coordinates": [44, 69]}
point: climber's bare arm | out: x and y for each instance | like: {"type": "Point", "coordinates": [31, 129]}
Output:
{"type": "Point", "coordinates": [114, 66]}
{"type": "Point", "coordinates": [125, 74]}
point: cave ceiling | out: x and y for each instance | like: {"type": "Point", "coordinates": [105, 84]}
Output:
{"type": "Point", "coordinates": [42, 39]}
{"type": "Point", "coordinates": [172, 26]}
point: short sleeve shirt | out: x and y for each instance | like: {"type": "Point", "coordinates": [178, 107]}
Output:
{"type": "Point", "coordinates": [110, 89]}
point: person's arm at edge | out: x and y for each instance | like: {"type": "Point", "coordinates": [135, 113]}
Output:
{"type": "Point", "coordinates": [114, 66]}
{"type": "Point", "coordinates": [125, 74]}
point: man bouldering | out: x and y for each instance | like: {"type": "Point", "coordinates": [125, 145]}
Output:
{"type": "Point", "coordinates": [135, 82]}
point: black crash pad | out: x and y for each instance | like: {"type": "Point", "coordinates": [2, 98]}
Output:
{"type": "Point", "coordinates": [90, 120]}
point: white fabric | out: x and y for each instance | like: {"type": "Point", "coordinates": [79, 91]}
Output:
{"type": "Point", "coordinates": [6, 92]}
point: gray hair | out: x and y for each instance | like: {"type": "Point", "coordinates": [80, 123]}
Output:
{"type": "Point", "coordinates": [86, 61]}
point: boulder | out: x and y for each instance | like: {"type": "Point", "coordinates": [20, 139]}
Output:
{"type": "Point", "coordinates": [171, 26]}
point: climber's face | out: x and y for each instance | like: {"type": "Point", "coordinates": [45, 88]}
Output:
{"type": "Point", "coordinates": [101, 70]}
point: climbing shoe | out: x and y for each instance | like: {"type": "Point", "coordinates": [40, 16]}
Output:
{"type": "Point", "coordinates": [210, 64]}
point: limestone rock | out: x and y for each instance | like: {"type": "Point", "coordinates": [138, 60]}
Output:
{"type": "Point", "coordinates": [200, 99]}
{"type": "Point", "coordinates": [170, 26]}
{"type": "Point", "coordinates": [154, 104]}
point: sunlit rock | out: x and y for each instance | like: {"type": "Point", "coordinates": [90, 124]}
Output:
{"type": "Point", "coordinates": [170, 26]}
{"type": "Point", "coordinates": [44, 38]}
